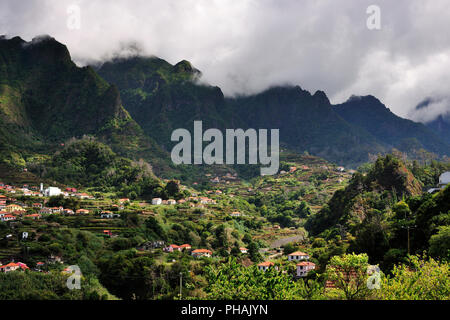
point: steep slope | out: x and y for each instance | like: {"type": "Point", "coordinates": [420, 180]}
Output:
{"type": "Point", "coordinates": [46, 99]}
{"type": "Point", "coordinates": [387, 181]}
{"type": "Point", "coordinates": [162, 97]}
{"type": "Point", "coordinates": [441, 126]}
{"type": "Point", "coordinates": [307, 123]}
{"type": "Point", "coordinates": [390, 130]}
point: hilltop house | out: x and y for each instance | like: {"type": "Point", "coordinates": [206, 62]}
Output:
{"type": "Point", "coordinates": [186, 246]}
{"type": "Point", "coordinates": [68, 212]}
{"type": "Point", "coordinates": [171, 202]}
{"type": "Point", "coordinates": [13, 267]}
{"type": "Point", "coordinates": [297, 256]}
{"type": "Point", "coordinates": [264, 266]}
{"type": "Point", "coordinates": [172, 248]}
{"type": "Point", "coordinates": [33, 216]}
{"type": "Point", "coordinates": [52, 191]}
{"type": "Point", "coordinates": [444, 180]}
{"type": "Point", "coordinates": [243, 250]}
{"type": "Point", "coordinates": [201, 253]}
{"type": "Point", "coordinates": [13, 207]}
{"type": "Point", "coordinates": [156, 201]}
{"type": "Point", "coordinates": [304, 267]}
{"type": "Point", "coordinates": [7, 217]}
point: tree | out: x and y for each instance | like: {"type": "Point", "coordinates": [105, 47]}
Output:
{"type": "Point", "coordinates": [349, 275]}
{"type": "Point", "coordinates": [419, 279]}
{"type": "Point", "coordinates": [440, 243]}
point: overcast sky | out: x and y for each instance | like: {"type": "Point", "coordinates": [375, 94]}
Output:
{"type": "Point", "coordinates": [246, 46]}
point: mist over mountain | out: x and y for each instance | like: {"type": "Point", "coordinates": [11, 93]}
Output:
{"type": "Point", "coordinates": [389, 129]}
{"type": "Point", "coordinates": [435, 113]}
{"type": "Point", "coordinates": [133, 104]}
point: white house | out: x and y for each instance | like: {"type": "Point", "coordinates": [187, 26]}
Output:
{"type": "Point", "coordinates": [297, 256]}
{"type": "Point", "coordinates": [444, 180]}
{"type": "Point", "coordinates": [264, 266]}
{"type": "Point", "coordinates": [52, 191]}
{"type": "Point", "coordinates": [304, 267]}
{"type": "Point", "coordinates": [198, 253]}
{"type": "Point", "coordinates": [156, 201]}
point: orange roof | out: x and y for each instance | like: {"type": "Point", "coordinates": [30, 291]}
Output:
{"type": "Point", "coordinates": [298, 253]}
{"type": "Point", "coordinates": [306, 263]}
{"type": "Point", "coordinates": [174, 246]}
{"type": "Point", "coordinates": [242, 248]}
{"type": "Point", "coordinates": [185, 245]}
{"type": "Point", "coordinates": [266, 264]}
{"type": "Point", "coordinates": [202, 251]}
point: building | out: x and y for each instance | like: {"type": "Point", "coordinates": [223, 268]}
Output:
{"type": "Point", "coordinates": [186, 246]}
{"type": "Point", "coordinates": [7, 217]}
{"type": "Point", "coordinates": [297, 256]}
{"type": "Point", "coordinates": [2, 201]}
{"type": "Point", "coordinates": [198, 253]}
{"type": "Point", "coordinates": [121, 201]}
{"type": "Point", "coordinates": [264, 266]}
{"type": "Point", "coordinates": [13, 207]}
{"type": "Point", "coordinates": [37, 205]}
{"type": "Point", "coordinates": [235, 214]}
{"type": "Point", "coordinates": [444, 180]}
{"type": "Point", "coordinates": [243, 250]}
{"type": "Point", "coordinates": [172, 248]}
{"type": "Point", "coordinates": [68, 212]}
{"type": "Point", "coordinates": [82, 211]}
{"type": "Point", "coordinates": [52, 192]}
{"type": "Point", "coordinates": [13, 267]}
{"type": "Point", "coordinates": [304, 267]}
{"type": "Point", "coordinates": [156, 201]}
{"type": "Point", "coordinates": [33, 216]}
{"type": "Point", "coordinates": [171, 202]}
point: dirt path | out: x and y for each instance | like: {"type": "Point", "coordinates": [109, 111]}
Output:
{"type": "Point", "coordinates": [281, 242]}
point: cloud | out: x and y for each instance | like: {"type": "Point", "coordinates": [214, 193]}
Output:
{"type": "Point", "coordinates": [247, 46]}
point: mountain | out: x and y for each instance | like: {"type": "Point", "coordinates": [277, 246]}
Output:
{"type": "Point", "coordinates": [307, 123]}
{"type": "Point", "coordinates": [387, 181]}
{"type": "Point", "coordinates": [370, 114]}
{"type": "Point", "coordinates": [163, 97]}
{"type": "Point", "coordinates": [133, 105]}
{"type": "Point", "coordinates": [46, 99]}
{"type": "Point", "coordinates": [441, 126]}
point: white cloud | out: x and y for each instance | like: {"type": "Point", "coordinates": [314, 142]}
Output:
{"type": "Point", "coordinates": [246, 46]}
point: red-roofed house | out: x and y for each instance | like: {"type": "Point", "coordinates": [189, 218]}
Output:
{"type": "Point", "coordinates": [172, 248]}
{"type": "Point", "coordinates": [297, 256]}
{"type": "Point", "coordinates": [13, 267]}
{"type": "Point", "coordinates": [243, 250]}
{"type": "Point", "coordinates": [33, 216]}
{"type": "Point", "coordinates": [186, 246]}
{"type": "Point", "coordinates": [304, 267]}
{"type": "Point", "coordinates": [7, 217]}
{"type": "Point", "coordinates": [197, 253]}
{"type": "Point", "coordinates": [264, 266]}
